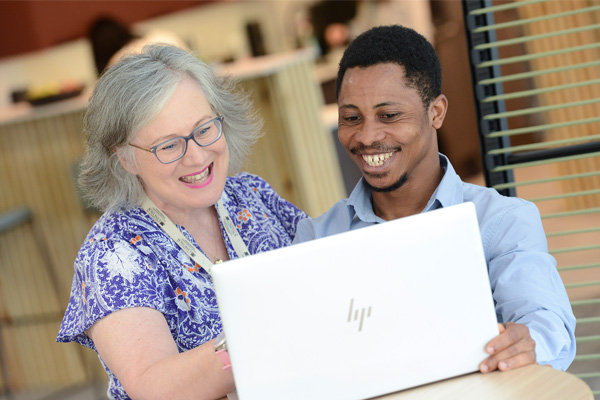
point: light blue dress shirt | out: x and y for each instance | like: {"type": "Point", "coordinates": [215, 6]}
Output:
{"type": "Point", "coordinates": [525, 284]}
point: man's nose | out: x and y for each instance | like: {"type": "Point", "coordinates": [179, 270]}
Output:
{"type": "Point", "coordinates": [369, 132]}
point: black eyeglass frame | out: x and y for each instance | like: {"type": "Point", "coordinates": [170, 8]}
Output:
{"type": "Point", "coordinates": [187, 138]}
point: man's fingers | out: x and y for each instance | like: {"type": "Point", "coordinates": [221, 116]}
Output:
{"type": "Point", "coordinates": [508, 359]}
{"type": "Point", "coordinates": [517, 361]}
{"type": "Point", "coordinates": [513, 357]}
{"type": "Point", "coordinates": [501, 328]}
{"type": "Point", "coordinates": [510, 334]}
{"type": "Point", "coordinates": [512, 348]}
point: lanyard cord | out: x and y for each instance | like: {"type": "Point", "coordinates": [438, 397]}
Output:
{"type": "Point", "coordinates": [171, 229]}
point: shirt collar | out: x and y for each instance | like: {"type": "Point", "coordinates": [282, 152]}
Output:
{"type": "Point", "coordinates": [360, 205]}
{"type": "Point", "coordinates": [448, 192]}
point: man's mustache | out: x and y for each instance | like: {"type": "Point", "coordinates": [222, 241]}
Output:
{"type": "Point", "coordinates": [374, 148]}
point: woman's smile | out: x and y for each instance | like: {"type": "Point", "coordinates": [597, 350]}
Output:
{"type": "Point", "coordinates": [198, 179]}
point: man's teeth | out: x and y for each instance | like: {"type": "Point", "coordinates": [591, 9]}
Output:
{"type": "Point", "coordinates": [377, 160]}
{"type": "Point", "coordinates": [201, 177]}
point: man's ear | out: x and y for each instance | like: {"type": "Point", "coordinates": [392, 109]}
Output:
{"type": "Point", "coordinates": [438, 109]}
{"type": "Point", "coordinates": [126, 160]}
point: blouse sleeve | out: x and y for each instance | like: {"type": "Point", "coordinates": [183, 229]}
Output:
{"type": "Point", "coordinates": [109, 275]}
{"type": "Point", "coordinates": [288, 214]}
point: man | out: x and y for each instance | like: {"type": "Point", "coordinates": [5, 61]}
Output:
{"type": "Point", "coordinates": [390, 107]}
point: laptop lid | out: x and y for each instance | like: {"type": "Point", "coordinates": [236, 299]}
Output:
{"type": "Point", "coordinates": [362, 313]}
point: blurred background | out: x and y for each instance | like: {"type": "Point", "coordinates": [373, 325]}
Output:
{"type": "Point", "coordinates": [284, 54]}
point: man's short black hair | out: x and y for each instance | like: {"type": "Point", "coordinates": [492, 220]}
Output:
{"type": "Point", "coordinates": [399, 45]}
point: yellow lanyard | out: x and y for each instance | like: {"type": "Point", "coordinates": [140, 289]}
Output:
{"type": "Point", "coordinates": [171, 229]}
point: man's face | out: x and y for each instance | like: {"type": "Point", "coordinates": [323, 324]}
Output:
{"type": "Point", "coordinates": [386, 129]}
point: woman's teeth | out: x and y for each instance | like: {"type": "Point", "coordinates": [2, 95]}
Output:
{"type": "Point", "coordinates": [201, 177]}
{"type": "Point", "coordinates": [377, 160]}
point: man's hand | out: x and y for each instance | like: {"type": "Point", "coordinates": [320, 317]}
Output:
{"type": "Point", "coordinates": [512, 348]}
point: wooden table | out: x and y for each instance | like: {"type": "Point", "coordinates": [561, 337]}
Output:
{"type": "Point", "coordinates": [533, 382]}
{"type": "Point", "coordinates": [526, 383]}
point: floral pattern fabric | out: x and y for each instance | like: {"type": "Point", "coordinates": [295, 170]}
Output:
{"type": "Point", "coordinates": [127, 260]}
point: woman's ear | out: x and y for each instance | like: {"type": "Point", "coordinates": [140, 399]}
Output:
{"type": "Point", "coordinates": [438, 109]}
{"type": "Point", "coordinates": [127, 160]}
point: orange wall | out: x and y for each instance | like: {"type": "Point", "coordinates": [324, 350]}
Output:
{"type": "Point", "coordinates": [33, 25]}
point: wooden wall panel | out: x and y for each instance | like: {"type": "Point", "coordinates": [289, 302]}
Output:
{"type": "Point", "coordinates": [36, 258]}
{"type": "Point", "coordinates": [587, 92]}
{"type": "Point", "coordinates": [297, 155]}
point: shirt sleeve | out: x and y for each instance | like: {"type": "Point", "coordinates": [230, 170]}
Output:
{"type": "Point", "coordinates": [305, 231]}
{"type": "Point", "coordinates": [526, 285]}
{"type": "Point", "coordinates": [288, 214]}
{"type": "Point", "coordinates": [109, 275]}
{"type": "Point", "coordinates": [338, 219]}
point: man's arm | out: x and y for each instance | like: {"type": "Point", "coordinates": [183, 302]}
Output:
{"type": "Point", "coordinates": [304, 231]}
{"type": "Point", "coordinates": [531, 300]}
{"type": "Point", "coordinates": [337, 220]}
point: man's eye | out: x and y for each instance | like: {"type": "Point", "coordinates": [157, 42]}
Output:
{"type": "Point", "coordinates": [351, 119]}
{"type": "Point", "coordinates": [388, 116]}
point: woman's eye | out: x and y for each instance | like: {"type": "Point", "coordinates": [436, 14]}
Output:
{"type": "Point", "coordinates": [203, 132]}
{"type": "Point", "coordinates": [168, 146]}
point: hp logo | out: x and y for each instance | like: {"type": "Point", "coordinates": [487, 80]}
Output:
{"type": "Point", "coordinates": [354, 314]}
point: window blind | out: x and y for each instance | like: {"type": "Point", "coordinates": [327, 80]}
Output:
{"type": "Point", "coordinates": [536, 81]}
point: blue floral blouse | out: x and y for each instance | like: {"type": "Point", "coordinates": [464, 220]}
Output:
{"type": "Point", "coordinates": [128, 261]}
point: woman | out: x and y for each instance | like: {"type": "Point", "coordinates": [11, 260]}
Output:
{"type": "Point", "coordinates": [162, 133]}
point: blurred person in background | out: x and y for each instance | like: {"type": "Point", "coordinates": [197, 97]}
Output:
{"type": "Point", "coordinates": [107, 36]}
{"type": "Point", "coordinates": [163, 133]}
{"type": "Point", "coordinates": [110, 40]}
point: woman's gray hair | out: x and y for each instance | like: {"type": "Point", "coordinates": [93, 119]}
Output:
{"type": "Point", "coordinates": [129, 95]}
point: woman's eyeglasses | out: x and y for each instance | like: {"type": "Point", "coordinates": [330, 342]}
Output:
{"type": "Point", "coordinates": [173, 149]}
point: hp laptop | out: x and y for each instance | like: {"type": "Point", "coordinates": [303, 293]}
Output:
{"type": "Point", "coordinates": [360, 314]}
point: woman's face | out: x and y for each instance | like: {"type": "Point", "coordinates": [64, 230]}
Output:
{"type": "Point", "coordinates": [197, 179]}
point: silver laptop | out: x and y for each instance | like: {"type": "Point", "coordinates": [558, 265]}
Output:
{"type": "Point", "coordinates": [360, 314]}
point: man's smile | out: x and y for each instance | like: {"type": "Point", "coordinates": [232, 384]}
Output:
{"type": "Point", "coordinates": [376, 160]}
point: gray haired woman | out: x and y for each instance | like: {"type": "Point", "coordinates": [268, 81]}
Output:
{"type": "Point", "coordinates": [164, 135]}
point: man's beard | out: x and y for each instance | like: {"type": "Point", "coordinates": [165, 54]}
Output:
{"type": "Point", "coordinates": [387, 189]}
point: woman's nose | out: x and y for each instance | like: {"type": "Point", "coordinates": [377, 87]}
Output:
{"type": "Point", "coordinates": [194, 154]}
